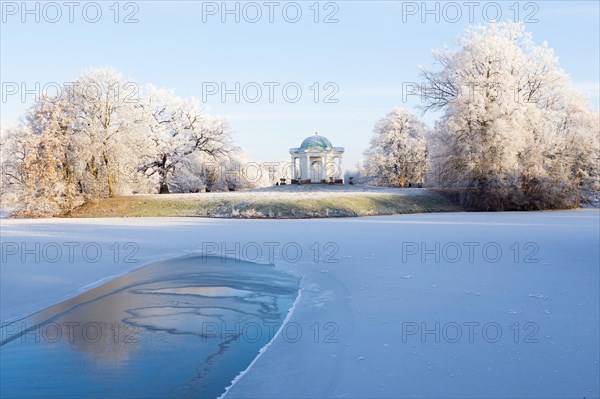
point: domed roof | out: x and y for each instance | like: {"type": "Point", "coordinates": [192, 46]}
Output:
{"type": "Point", "coordinates": [316, 142]}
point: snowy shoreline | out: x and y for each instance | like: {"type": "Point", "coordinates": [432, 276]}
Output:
{"type": "Point", "coordinates": [262, 350]}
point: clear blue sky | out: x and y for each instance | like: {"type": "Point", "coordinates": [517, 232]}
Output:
{"type": "Point", "coordinates": [368, 54]}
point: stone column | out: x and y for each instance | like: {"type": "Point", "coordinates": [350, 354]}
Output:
{"type": "Point", "coordinates": [305, 167]}
{"type": "Point", "coordinates": [296, 167]}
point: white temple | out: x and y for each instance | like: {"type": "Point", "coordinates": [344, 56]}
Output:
{"type": "Point", "coordinates": [317, 161]}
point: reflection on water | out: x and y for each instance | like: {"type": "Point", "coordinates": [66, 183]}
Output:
{"type": "Point", "coordinates": [195, 290]}
{"type": "Point", "coordinates": [181, 328]}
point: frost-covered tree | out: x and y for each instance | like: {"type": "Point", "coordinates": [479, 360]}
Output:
{"type": "Point", "coordinates": [51, 184]}
{"type": "Point", "coordinates": [179, 130]}
{"type": "Point", "coordinates": [80, 145]}
{"type": "Point", "coordinates": [16, 143]}
{"type": "Point", "coordinates": [15, 146]}
{"type": "Point", "coordinates": [40, 169]}
{"type": "Point", "coordinates": [89, 142]}
{"type": "Point", "coordinates": [109, 128]}
{"type": "Point", "coordinates": [398, 153]}
{"type": "Point", "coordinates": [512, 132]}
{"type": "Point", "coordinates": [358, 174]}
{"type": "Point", "coordinates": [233, 172]}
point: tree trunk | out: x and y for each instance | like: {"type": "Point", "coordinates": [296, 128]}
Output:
{"type": "Point", "coordinates": [164, 188]}
{"type": "Point", "coordinates": [111, 188]}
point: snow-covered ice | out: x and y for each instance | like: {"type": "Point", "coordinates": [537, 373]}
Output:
{"type": "Point", "coordinates": [424, 305]}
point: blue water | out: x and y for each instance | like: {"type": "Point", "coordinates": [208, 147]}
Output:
{"type": "Point", "coordinates": [179, 328]}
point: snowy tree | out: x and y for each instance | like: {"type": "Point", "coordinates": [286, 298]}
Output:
{"type": "Point", "coordinates": [15, 145]}
{"type": "Point", "coordinates": [358, 174]}
{"type": "Point", "coordinates": [41, 166]}
{"type": "Point", "coordinates": [179, 129]}
{"type": "Point", "coordinates": [109, 128]}
{"type": "Point", "coordinates": [80, 145]}
{"type": "Point", "coordinates": [232, 172]}
{"type": "Point", "coordinates": [51, 182]}
{"type": "Point", "coordinates": [511, 126]}
{"type": "Point", "coordinates": [245, 174]}
{"type": "Point", "coordinates": [398, 153]}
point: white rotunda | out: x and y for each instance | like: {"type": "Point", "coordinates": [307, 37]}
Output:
{"type": "Point", "coordinates": [317, 161]}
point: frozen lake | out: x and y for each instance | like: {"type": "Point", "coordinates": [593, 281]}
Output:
{"type": "Point", "coordinates": [481, 305]}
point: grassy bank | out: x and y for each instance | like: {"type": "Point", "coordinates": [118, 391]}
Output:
{"type": "Point", "coordinates": [270, 204]}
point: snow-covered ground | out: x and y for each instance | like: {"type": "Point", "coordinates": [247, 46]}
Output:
{"type": "Point", "coordinates": [423, 305]}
